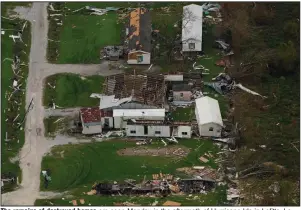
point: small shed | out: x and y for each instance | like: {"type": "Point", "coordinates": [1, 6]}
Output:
{"type": "Point", "coordinates": [182, 92]}
{"type": "Point", "coordinates": [192, 28]}
{"type": "Point", "coordinates": [208, 117]}
{"type": "Point", "coordinates": [139, 34]}
{"type": "Point", "coordinates": [91, 120]}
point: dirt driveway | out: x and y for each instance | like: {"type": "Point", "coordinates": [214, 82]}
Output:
{"type": "Point", "coordinates": [36, 145]}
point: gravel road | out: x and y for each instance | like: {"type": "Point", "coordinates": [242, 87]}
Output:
{"type": "Point", "coordinates": [35, 145]}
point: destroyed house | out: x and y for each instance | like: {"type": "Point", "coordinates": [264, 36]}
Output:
{"type": "Point", "coordinates": [146, 89]}
{"type": "Point", "coordinates": [121, 116]}
{"type": "Point", "coordinates": [182, 92]}
{"type": "Point", "coordinates": [95, 119]}
{"type": "Point", "coordinates": [91, 120]}
{"type": "Point", "coordinates": [138, 34]}
{"type": "Point", "coordinates": [192, 28]}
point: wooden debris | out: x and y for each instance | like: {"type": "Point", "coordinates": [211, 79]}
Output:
{"type": "Point", "coordinates": [203, 159]}
{"type": "Point", "coordinates": [92, 192]}
{"type": "Point", "coordinates": [171, 203]}
{"type": "Point", "coordinates": [74, 202]}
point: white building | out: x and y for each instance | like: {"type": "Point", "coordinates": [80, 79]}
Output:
{"type": "Point", "coordinates": [121, 116]}
{"type": "Point", "coordinates": [91, 120]}
{"type": "Point", "coordinates": [148, 128]}
{"type": "Point", "coordinates": [181, 130]}
{"type": "Point", "coordinates": [192, 28]}
{"type": "Point", "coordinates": [208, 116]}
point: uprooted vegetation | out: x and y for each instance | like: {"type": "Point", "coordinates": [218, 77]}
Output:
{"type": "Point", "coordinates": [268, 61]}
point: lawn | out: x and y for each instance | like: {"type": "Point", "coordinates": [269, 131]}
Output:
{"type": "Point", "coordinates": [9, 109]}
{"type": "Point", "coordinates": [85, 164]}
{"type": "Point", "coordinates": [83, 36]}
{"type": "Point", "coordinates": [75, 168]}
{"type": "Point", "coordinates": [72, 90]}
{"type": "Point", "coordinates": [54, 125]}
{"type": "Point", "coordinates": [183, 114]}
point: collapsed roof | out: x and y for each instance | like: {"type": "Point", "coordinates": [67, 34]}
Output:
{"type": "Point", "coordinates": [144, 88]}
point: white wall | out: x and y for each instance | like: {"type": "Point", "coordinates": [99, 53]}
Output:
{"type": "Point", "coordinates": [165, 130]}
{"type": "Point", "coordinates": [177, 132]}
{"type": "Point", "coordinates": [94, 129]}
{"type": "Point", "coordinates": [198, 46]}
{"type": "Point", "coordinates": [146, 59]}
{"type": "Point", "coordinates": [204, 130]}
{"type": "Point", "coordinates": [117, 120]}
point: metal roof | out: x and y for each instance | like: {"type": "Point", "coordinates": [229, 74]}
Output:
{"type": "Point", "coordinates": [139, 113]}
{"type": "Point", "coordinates": [90, 114]}
{"type": "Point", "coordinates": [208, 111]}
{"type": "Point", "coordinates": [192, 25]}
{"type": "Point", "coordinates": [140, 30]}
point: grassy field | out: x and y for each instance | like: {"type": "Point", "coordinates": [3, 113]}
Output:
{"type": "Point", "coordinates": [71, 90]}
{"type": "Point", "coordinates": [185, 114]}
{"type": "Point", "coordinates": [88, 163]}
{"type": "Point", "coordinates": [8, 50]}
{"type": "Point", "coordinates": [77, 167]}
{"type": "Point", "coordinates": [83, 36]}
{"type": "Point", "coordinates": [54, 125]}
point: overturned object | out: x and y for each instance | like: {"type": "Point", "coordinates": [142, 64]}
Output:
{"type": "Point", "coordinates": [224, 83]}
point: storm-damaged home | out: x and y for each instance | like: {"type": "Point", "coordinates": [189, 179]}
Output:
{"type": "Point", "coordinates": [192, 28]}
{"type": "Point", "coordinates": [94, 120]}
{"type": "Point", "coordinates": [208, 115]}
{"type": "Point", "coordinates": [138, 33]}
{"type": "Point", "coordinates": [181, 94]}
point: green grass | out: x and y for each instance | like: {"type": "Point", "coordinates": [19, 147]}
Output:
{"type": "Point", "coordinates": [8, 50]}
{"type": "Point", "coordinates": [214, 198]}
{"type": "Point", "coordinates": [72, 90]}
{"type": "Point", "coordinates": [83, 36]}
{"type": "Point", "coordinates": [88, 163]}
{"type": "Point", "coordinates": [183, 114]}
{"type": "Point", "coordinates": [54, 124]}
{"type": "Point", "coordinates": [83, 165]}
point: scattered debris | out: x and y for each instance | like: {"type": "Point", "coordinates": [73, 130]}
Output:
{"type": "Point", "coordinates": [171, 203]}
{"type": "Point", "coordinates": [203, 159]}
{"type": "Point", "coordinates": [92, 192]}
{"type": "Point", "coordinates": [232, 194]}
{"type": "Point", "coordinates": [74, 202]}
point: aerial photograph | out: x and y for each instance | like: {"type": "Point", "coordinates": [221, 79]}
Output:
{"type": "Point", "coordinates": [150, 103]}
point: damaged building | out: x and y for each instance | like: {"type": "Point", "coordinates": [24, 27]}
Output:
{"type": "Point", "coordinates": [138, 33]}
{"type": "Point", "coordinates": [146, 89]}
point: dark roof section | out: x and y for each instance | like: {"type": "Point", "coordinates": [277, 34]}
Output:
{"type": "Point", "coordinates": [90, 115]}
{"type": "Point", "coordinates": [181, 87]}
{"type": "Point", "coordinates": [140, 30]}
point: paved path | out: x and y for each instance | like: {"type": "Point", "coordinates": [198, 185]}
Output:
{"type": "Point", "coordinates": [36, 146]}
